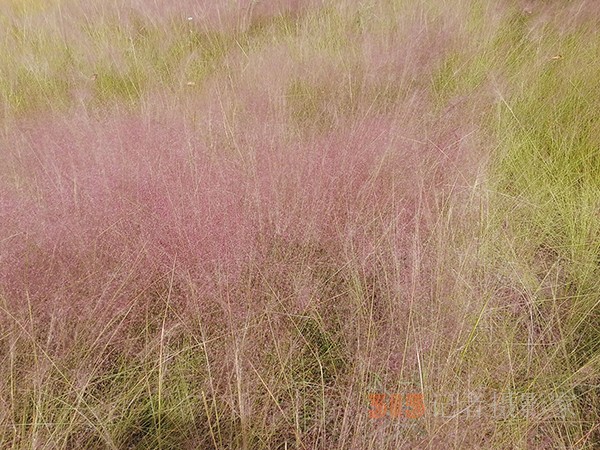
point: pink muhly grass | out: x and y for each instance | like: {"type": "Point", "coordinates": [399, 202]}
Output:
{"type": "Point", "coordinates": [254, 230]}
{"type": "Point", "coordinates": [147, 195]}
{"type": "Point", "coordinates": [137, 197]}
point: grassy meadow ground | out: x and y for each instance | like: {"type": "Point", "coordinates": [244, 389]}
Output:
{"type": "Point", "coordinates": [228, 224]}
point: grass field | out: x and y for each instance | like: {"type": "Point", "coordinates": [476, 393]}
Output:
{"type": "Point", "coordinates": [240, 224]}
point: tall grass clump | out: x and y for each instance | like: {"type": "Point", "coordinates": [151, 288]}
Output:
{"type": "Point", "coordinates": [547, 169]}
{"type": "Point", "coordinates": [227, 224]}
